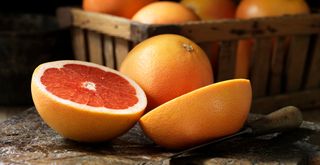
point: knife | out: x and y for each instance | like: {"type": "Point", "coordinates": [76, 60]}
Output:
{"type": "Point", "coordinates": [281, 120]}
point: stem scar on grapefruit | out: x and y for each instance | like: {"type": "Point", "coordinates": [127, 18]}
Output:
{"type": "Point", "coordinates": [199, 116]}
{"type": "Point", "coordinates": [167, 66]}
{"type": "Point", "coordinates": [86, 102]}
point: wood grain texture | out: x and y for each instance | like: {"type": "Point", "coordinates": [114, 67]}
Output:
{"type": "Point", "coordinates": [108, 48]}
{"type": "Point", "coordinates": [121, 49]}
{"type": "Point", "coordinates": [260, 66]}
{"type": "Point", "coordinates": [296, 62]}
{"type": "Point", "coordinates": [277, 65]}
{"type": "Point", "coordinates": [306, 99]}
{"type": "Point", "coordinates": [102, 23]}
{"type": "Point", "coordinates": [313, 78]}
{"type": "Point", "coordinates": [226, 60]}
{"type": "Point", "coordinates": [199, 31]}
{"type": "Point", "coordinates": [95, 47]}
{"type": "Point", "coordinates": [258, 27]}
{"type": "Point", "coordinates": [79, 44]}
{"type": "Point", "coordinates": [26, 139]}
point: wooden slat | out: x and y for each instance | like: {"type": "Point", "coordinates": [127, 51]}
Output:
{"type": "Point", "coordinates": [102, 23]}
{"type": "Point", "coordinates": [95, 47]}
{"type": "Point", "coordinates": [79, 44]}
{"type": "Point", "coordinates": [277, 65]}
{"type": "Point", "coordinates": [121, 50]}
{"type": "Point", "coordinates": [257, 27]}
{"type": "Point", "coordinates": [313, 79]}
{"type": "Point", "coordinates": [304, 100]}
{"type": "Point", "coordinates": [109, 51]}
{"type": "Point", "coordinates": [226, 60]}
{"type": "Point", "coordinates": [199, 31]}
{"type": "Point", "coordinates": [260, 65]}
{"type": "Point", "coordinates": [296, 62]}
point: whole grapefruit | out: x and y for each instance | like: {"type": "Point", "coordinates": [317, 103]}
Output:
{"type": "Point", "coordinates": [165, 12]}
{"type": "Point", "coordinates": [122, 8]}
{"type": "Point", "coordinates": [167, 66]}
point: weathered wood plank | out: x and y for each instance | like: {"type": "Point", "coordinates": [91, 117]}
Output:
{"type": "Point", "coordinates": [313, 79]}
{"type": "Point", "coordinates": [95, 47]}
{"type": "Point", "coordinates": [277, 65]}
{"type": "Point", "coordinates": [26, 139]}
{"type": "Point", "coordinates": [79, 44]}
{"type": "Point", "coordinates": [226, 60]}
{"type": "Point", "coordinates": [306, 99]}
{"type": "Point", "coordinates": [296, 62]}
{"type": "Point", "coordinates": [108, 48]}
{"type": "Point", "coordinates": [121, 49]}
{"type": "Point", "coordinates": [218, 30]}
{"type": "Point", "coordinates": [260, 65]}
{"type": "Point", "coordinates": [102, 23]}
{"type": "Point", "coordinates": [200, 31]}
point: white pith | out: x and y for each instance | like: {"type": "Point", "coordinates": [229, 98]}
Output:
{"type": "Point", "coordinates": [89, 85]}
{"type": "Point", "coordinates": [139, 106]}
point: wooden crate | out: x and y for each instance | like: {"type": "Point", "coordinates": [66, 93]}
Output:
{"type": "Point", "coordinates": [281, 79]}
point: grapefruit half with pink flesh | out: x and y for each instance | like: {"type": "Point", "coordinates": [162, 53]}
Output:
{"type": "Point", "coordinates": [86, 102]}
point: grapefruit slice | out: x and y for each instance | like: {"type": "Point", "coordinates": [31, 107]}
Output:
{"type": "Point", "coordinates": [86, 102]}
{"type": "Point", "coordinates": [204, 114]}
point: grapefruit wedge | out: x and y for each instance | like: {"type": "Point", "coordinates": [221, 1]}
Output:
{"type": "Point", "coordinates": [204, 114]}
{"type": "Point", "coordinates": [86, 102]}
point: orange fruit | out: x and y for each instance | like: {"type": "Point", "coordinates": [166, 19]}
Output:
{"type": "Point", "coordinates": [211, 9]}
{"type": "Point", "coordinates": [167, 66]}
{"type": "Point", "coordinates": [262, 8]}
{"type": "Point", "coordinates": [164, 12]}
{"type": "Point", "coordinates": [123, 8]}
{"type": "Point", "coordinates": [84, 101]}
{"type": "Point", "coordinates": [204, 114]}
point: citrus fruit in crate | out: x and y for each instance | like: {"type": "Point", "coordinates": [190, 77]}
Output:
{"type": "Point", "coordinates": [123, 8]}
{"type": "Point", "coordinates": [165, 12]}
{"type": "Point", "coordinates": [262, 8]}
{"type": "Point", "coordinates": [167, 66]}
{"type": "Point", "coordinates": [211, 9]}
{"type": "Point", "coordinates": [85, 101]}
{"type": "Point", "coordinates": [204, 114]}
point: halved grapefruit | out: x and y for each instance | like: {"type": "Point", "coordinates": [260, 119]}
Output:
{"type": "Point", "coordinates": [86, 102]}
{"type": "Point", "coordinates": [204, 114]}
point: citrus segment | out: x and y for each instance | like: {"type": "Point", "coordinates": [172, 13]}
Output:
{"type": "Point", "coordinates": [204, 114]}
{"type": "Point", "coordinates": [85, 101]}
{"type": "Point", "coordinates": [167, 66]}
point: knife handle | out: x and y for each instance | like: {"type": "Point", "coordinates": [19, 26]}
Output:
{"type": "Point", "coordinates": [283, 119]}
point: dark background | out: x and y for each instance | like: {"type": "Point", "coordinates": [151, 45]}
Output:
{"type": "Point", "coordinates": [49, 6]}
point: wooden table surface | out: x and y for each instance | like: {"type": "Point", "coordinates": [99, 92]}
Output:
{"type": "Point", "coordinates": [25, 139]}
